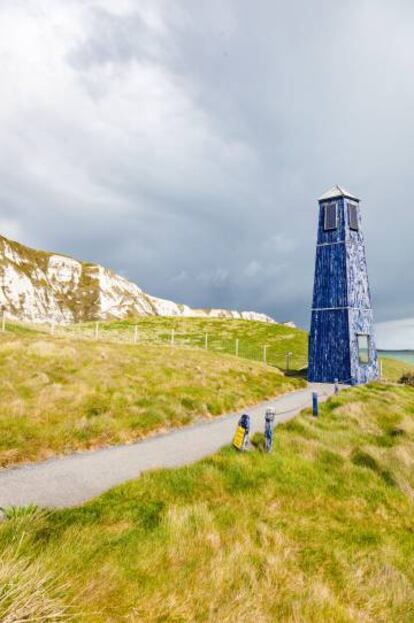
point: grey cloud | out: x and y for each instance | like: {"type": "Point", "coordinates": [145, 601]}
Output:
{"type": "Point", "coordinates": [112, 38]}
{"type": "Point", "coordinates": [185, 144]}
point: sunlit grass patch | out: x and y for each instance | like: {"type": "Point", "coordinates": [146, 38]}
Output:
{"type": "Point", "coordinates": [321, 529]}
{"type": "Point", "coordinates": [225, 336]}
{"type": "Point", "coordinates": [61, 394]}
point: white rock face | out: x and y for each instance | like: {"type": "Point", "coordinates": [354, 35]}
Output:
{"type": "Point", "coordinates": [64, 270]}
{"type": "Point", "coordinates": [46, 287]}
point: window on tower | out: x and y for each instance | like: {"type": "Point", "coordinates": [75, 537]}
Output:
{"type": "Point", "coordinates": [330, 217]}
{"type": "Point", "coordinates": [363, 348]}
{"type": "Point", "coordinates": [353, 216]}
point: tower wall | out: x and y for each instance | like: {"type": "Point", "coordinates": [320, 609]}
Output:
{"type": "Point", "coordinates": [341, 312]}
{"type": "Point", "coordinates": [361, 322]}
{"type": "Point", "coordinates": [329, 347]}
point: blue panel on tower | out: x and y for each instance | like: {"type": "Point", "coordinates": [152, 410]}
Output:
{"type": "Point", "coordinates": [342, 341]}
{"type": "Point", "coordinates": [329, 349]}
{"type": "Point", "coordinates": [330, 277]}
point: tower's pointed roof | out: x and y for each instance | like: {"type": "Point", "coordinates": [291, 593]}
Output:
{"type": "Point", "coordinates": [337, 191]}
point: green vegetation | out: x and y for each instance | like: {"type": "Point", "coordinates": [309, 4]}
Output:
{"type": "Point", "coordinates": [60, 394]}
{"type": "Point", "coordinates": [321, 530]}
{"type": "Point", "coordinates": [221, 336]}
{"type": "Point", "coordinates": [393, 369]}
{"type": "Point", "coordinates": [407, 379]}
{"type": "Point", "coordinates": [69, 391]}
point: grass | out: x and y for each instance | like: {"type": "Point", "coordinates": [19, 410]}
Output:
{"type": "Point", "coordinates": [60, 394]}
{"type": "Point", "coordinates": [321, 530]}
{"type": "Point", "coordinates": [27, 594]}
{"type": "Point", "coordinates": [393, 369]}
{"type": "Point", "coordinates": [221, 334]}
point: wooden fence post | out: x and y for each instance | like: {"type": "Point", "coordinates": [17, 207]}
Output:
{"type": "Point", "coordinates": [206, 341]}
{"type": "Point", "coordinates": [265, 354]}
{"type": "Point", "coordinates": [237, 347]}
{"type": "Point", "coordinates": [96, 330]}
{"type": "Point", "coordinates": [172, 337]}
{"type": "Point", "coordinates": [136, 334]}
{"type": "Point", "coordinates": [3, 322]}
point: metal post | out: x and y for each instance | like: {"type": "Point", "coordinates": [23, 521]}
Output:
{"type": "Point", "coordinates": [206, 341]}
{"type": "Point", "coordinates": [135, 334]}
{"type": "Point", "coordinates": [288, 356]}
{"type": "Point", "coordinates": [237, 347]}
{"type": "Point", "coordinates": [336, 390]}
{"type": "Point", "coordinates": [315, 404]}
{"type": "Point", "coordinates": [264, 354]}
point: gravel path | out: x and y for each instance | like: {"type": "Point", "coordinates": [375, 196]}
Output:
{"type": "Point", "coordinates": [72, 479]}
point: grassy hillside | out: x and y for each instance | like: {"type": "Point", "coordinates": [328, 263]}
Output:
{"type": "Point", "coordinates": [321, 530]}
{"type": "Point", "coordinates": [221, 336]}
{"type": "Point", "coordinates": [393, 369]}
{"type": "Point", "coordinates": [60, 394]}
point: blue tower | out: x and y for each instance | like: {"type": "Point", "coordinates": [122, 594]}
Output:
{"type": "Point", "coordinates": [342, 341]}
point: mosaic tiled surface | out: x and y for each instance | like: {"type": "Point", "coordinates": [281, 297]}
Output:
{"type": "Point", "coordinates": [341, 304]}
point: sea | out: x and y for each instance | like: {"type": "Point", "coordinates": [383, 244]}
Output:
{"type": "Point", "coordinates": [403, 355]}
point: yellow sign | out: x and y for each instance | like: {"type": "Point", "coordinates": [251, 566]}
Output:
{"type": "Point", "coordinates": [238, 438]}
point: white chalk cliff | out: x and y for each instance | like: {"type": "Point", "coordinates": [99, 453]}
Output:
{"type": "Point", "coordinates": [37, 286]}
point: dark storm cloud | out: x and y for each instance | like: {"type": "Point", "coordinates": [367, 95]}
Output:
{"type": "Point", "coordinates": [184, 144]}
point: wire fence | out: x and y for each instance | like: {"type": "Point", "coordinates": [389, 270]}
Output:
{"type": "Point", "coordinates": [273, 354]}
{"type": "Point", "coordinates": [270, 354]}
{"type": "Point", "coordinates": [294, 361]}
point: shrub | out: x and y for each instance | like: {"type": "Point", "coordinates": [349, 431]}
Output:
{"type": "Point", "coordinates": [407, 379]}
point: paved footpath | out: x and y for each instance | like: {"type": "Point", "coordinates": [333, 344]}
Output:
{"type": "Point", "coordinates": [72, 479]}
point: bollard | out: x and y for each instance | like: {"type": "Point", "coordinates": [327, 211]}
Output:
{"type": "Point", "coordinates": [268, 432]}
{"type": "Point", "coordinates": [315, 404]}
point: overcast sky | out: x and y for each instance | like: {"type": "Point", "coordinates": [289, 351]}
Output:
{"type": "Point", "coordinates": [184, 143]}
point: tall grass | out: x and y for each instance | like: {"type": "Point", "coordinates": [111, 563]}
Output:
{"type": "Point", "coordinates": [29, 594]}
{"type": "Point", "coordinates": [321, 530]}
{"type": "Point", "coordinates": [219, 335]}
{"type": "Point", "coordinates": [285, 346]}
{"type": "Point", "coordinates": [60, 394]}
